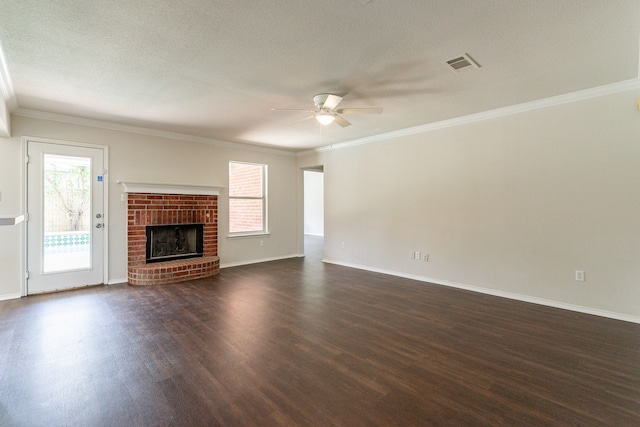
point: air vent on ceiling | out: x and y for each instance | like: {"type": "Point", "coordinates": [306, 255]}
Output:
{"type": "Point", "coordinates": [462, 63]}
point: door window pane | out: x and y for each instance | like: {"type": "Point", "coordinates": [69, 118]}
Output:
{"type": "Point", "coordinates": [67, 213]}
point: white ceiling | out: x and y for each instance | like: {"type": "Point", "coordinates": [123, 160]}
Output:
{"type": "Point", "coordinates": [215, 69]}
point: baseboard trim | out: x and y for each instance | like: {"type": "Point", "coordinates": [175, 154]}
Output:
{"type": "Point", "coordinates": [256, 261]}
{"type": "Point", "coordinates": [10, 296]}
{"type": "Point", "coordinates": [494, 292]}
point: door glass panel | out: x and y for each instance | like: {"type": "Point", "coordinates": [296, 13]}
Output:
{"type": "Point", "coordinates": [67, 213]}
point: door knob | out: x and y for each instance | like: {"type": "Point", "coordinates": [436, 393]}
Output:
{"type": "Point", "coordinates": [98, 215]}
{"type": "Point", "coordinates": [98, 225]}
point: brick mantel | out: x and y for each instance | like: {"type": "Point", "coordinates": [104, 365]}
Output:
{"type": "Point", "coordinates": [168, 209]}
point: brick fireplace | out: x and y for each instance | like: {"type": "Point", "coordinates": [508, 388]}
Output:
{"type": "Point", "coordinates": [163, 204]}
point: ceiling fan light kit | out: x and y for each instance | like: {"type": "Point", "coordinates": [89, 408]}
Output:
{"type": "Point", "coordinates": [325, 118]}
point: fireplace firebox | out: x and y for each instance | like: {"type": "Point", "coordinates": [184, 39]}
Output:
{"type": "Point", "coordinates": [172, 242]}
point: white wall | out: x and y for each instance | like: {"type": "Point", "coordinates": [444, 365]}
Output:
{"type": "Point", "coordinates": [11, 241]}
{"type": "Point", "coordinates": [313, 203]}
{"type": "Point", "coordinates": [512, 205]}
{"type": "Point", "coordinates": [148, 158]}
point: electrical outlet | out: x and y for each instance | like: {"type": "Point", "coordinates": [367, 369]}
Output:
{"type": "Point", "coordinates": [579, 276]}
{"type": "Point", "coordinates": [261, 243]}
{"type": "Point", "coordinates": [417, 256]}
{"type": "Point", "coordinates": [343, 245]}
{"type": "Point", "coordinates": [426, 257]}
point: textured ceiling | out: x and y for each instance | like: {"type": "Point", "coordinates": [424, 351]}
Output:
{"type": "Point", "coordinates": [215, 69]}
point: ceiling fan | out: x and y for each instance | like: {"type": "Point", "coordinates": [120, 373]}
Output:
{"type": "Point", "coordinates": [326, 113]}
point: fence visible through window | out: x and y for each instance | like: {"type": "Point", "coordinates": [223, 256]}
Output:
{"type": "Point", "coordinates": [67, 211]}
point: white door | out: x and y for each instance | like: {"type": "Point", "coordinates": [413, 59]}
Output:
{"type": "Point", "coordinates": [65, 227]}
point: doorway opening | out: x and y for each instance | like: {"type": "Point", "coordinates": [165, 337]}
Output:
{"type": "Point", "coordinates": [314, 212]}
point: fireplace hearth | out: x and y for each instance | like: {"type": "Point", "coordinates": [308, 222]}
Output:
{"type": "Point", "coordinates": [171, 242]}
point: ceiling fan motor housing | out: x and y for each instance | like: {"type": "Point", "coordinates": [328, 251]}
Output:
{"type": "Point", "coordinates": [320, 99]}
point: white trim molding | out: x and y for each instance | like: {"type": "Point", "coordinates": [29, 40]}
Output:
{"type": "Point", "coordinates": [257, 261]}
{"type": "Point", "coordinates": [487, 115]}
{"type": "Point", "coordinates": [496, 293]}
{"type": "Point", "coordinates": [119, 127]}
{"type": "Point", "coordinates": [168, 188]}
{"type": "Point", "coordinates": [6, 86]}
{"type": "Point", "coordinates": [6, 297]}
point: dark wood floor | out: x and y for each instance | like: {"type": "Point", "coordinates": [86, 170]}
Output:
{"type": "Point", "coordinates": [297, 342]}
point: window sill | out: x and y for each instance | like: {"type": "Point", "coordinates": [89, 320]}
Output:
{"type": "Point", "coordinates": [245, 235]}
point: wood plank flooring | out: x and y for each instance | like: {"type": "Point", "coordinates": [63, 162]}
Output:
{"type": "Point", "coordinates": [298, 342]}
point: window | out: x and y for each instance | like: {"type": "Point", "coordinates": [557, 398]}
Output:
{"type": "Point", "coordinates": [247, 198]}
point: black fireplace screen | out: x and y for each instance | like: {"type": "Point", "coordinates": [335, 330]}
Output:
{"type": "Point", "coordinates": [170, 242]}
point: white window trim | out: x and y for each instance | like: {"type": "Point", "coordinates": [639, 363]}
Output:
{"type": "Point", "coordinates": [264, 198]}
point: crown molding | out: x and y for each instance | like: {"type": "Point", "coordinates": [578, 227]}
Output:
{"type": "Point", "coordinates": [491, 114]}
{"type": "Point", "coordinates": [103, 124]}
{"type": "Point", "coordinates": [6, 89]}
{"type": "Point", "coordinates": [7, 96]}
{"type": "Point", "coordinates": [6, 86]}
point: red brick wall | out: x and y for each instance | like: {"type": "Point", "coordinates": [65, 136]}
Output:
{"type": "Point", "coordinates": [245, 180]}
{"type": "Point", "coordinates": [165, 209]}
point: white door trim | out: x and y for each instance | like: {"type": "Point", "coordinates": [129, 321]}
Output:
{"type": "Point", "coordinates": [105, 251]}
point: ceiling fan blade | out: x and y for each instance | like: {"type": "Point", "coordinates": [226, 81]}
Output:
{"type": "Point", "coordinates": [331, 102]}
{"type": "Point", "coordinates": [342, 121]}
{"type": "Point", "coordinates": [292, 109]}
{"type": "Point", "coordinates": [302, 120]}
{"type": "Point", "coordinates": [360, 111]}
